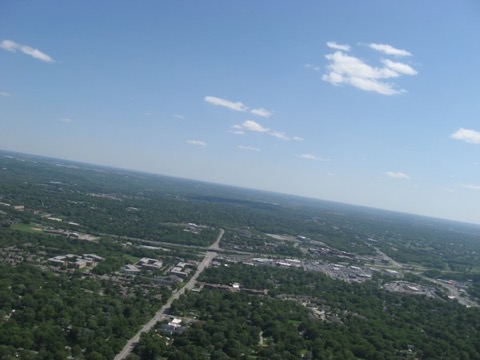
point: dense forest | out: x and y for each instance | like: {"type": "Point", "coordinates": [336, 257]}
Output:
{"type": "Point", "coordinates": [52, 208]}
{"type": "Point", "coordinates": [366, 325]}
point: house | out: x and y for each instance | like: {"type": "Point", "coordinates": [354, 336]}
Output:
{"type": "Point", "coordinates": [131, 269]}
{"type": "Point", "coordinates": [167, 281]}
{"type": "Point", "coordinates": [179, 272]}
{"type": "Point", "coordinates": [93, 257]}
{"type": "Point", "coordinates": [152, 264]}
{"type": "Point", "coordinates": [173, 327]}
{"type": "Point", "coordinates": [80, 263]}
{"type": "Point", "coordinates": [58, 260]}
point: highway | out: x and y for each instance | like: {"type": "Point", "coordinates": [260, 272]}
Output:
{"type": "Point", "coordinates": [160, 314]}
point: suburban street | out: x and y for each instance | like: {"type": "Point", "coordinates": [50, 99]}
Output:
{"type": "Point", "coordinates": [160, 314]}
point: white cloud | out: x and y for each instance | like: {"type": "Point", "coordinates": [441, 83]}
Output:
{"type": "Point", "coordinates": [196, 142]}
{"type": "Point", "coordinates": [3, 93]}
{"type": "Point", "coordinates": [12, 46]}
{"type": "Point", "coordinates": [467, 135]}
{"type": "Point", "coordinates": [237, 132]}
{"type": "Point", "coordinates": [250, 148]}
{"type": "Point", "coordinates": [309, 157]}
{"type": "Point", "coordinates": [471, 186]}
{"type": "Point", "coordinates": [262, 112]}
{"type": "Point", "coordinates": [179, 117]}
{"type": "Point", "coordinates": [400, 68]}
{"type": "Point", "coordinates": [251, 125]}
{"type": "Point", "coordinates": [237, 106]}
{"type": "Point", "coordinates": [279, 135]}
{"type": "Point", "coordinates": [312, 157]}
{"type": "Point", "coordinates": [297, 138]}
{"type": "Point", "coordinates": [397, 175]}
{"type": "Point", "coordinates": [313, 67]}
{"type": "Point", "coordinates": [389, 50]}
{"type": "Point", "coordinates": [66, 120]}
{"type": "Point", "coordinates": [334, 45]}
{"type": "Point", "coordinates": [346, 69]}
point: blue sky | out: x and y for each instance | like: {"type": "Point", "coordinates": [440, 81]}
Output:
{"type": "Point", "coordinates": [374, 103]}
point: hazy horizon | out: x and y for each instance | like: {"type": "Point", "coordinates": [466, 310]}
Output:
{"type": "Point", "coordinates": [230, 186]}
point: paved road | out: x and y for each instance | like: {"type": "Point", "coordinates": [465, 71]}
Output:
{"type": "Point", "coordinates": [160, 314]}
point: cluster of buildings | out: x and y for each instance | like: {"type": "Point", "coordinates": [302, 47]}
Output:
{"type": "Point", "coordinates": [106, 196]}
{"type": "Point", "coordinates": [76, 261]}
{"type": "Point", "coordinates": [277, 262]}
{"type": "Point", "coordinates": [326, 251]}
{"type": "Point", "coordinates": [194, 228]}
{"type": "Point", "coordinates": [143, 263]}
{"type": "Point", "coordinates": [14, 207]}
{"type": "Point", "coordinates": [411, 288]}
{"type": "Point", "coordinates": [181, 270]}
{"type": "Point", "coordinates": [71, 234]}
{"type": "Point", "coordinates": [349, 273]}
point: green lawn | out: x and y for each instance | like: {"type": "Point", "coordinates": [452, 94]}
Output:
{"type": "Point", "coordinates": [31, 228]}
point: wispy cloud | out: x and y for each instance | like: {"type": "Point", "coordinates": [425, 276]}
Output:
{"type": "Point", "coordinates": [196, 142]}
{"type": "Point", "coordinates": [12, 46]}
{"type": "Point", "coordinates": [399, 67]}
{"type": "Point", "coordinates": [334, 45]}
{"type": "Point", "coordinates": [66, 120]}
{"type": "Point", "coordinates": [297, 138]}
{"type": "Point", "coordinates": [467, 135]}
{"type": "Point", "coordinates": [237, 106]}
{"type": "Point", "coordinates": [237, 130]}
{"type": "Point", "coordinates": [249, 148]}
{"type": "Point", "coordinates": [279, 135]}
{"type": "Point", "coordinates": [262, 112]}
{"type": "Point", "coordinates": [250, 125]}
{"type": "Point", "coordinates": [179, 117]}
{"type": "Point", "coordinates": [346, 69]}
{"type": "Point", "coordinates": [397, 175]}
{"type": "Point", "coordinates": [471, 186]}
{"type": "Point", "coordinates": [3, 93]}
{"type": "Point", "coordinates": [313, 67]}
{"type": "Point", "coordinates": [312, 157]}
{"type": "Point", "coordinates": [389, 50]}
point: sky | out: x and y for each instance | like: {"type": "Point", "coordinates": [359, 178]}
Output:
{"type": "Point", "coordinates": [374, 103]}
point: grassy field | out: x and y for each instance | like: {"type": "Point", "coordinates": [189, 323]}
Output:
{"type": "Point", "coordinates": [31, 228]}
